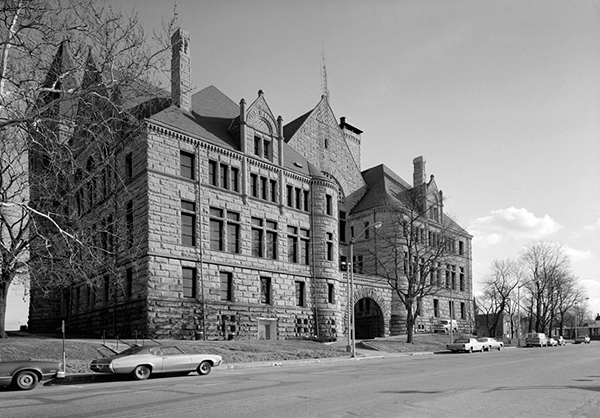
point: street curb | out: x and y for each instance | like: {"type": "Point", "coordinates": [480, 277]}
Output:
{"type": "Point", "coordinates": [77, 378]}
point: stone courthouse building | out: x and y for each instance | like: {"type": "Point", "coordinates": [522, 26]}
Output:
{"type": "Point", "coordinates": [242, 226]}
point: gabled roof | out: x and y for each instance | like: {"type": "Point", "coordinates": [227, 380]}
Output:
{"type": "Point", "coordinates": [291, 128]}
{"type": "Point", "coordinates": [211, 116]}
{"type": "Point", "coordinates": [382, 183]}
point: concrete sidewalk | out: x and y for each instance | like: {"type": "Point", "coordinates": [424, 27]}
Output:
{"type": "Point", "coordinates": [361, 354]}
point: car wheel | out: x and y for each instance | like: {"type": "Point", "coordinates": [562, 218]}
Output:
{"type": "Point", "coordinates": [142, 372]}
{"type": "Point", "coordinates": [499, 348]}
{"type": "Point", "coordinates": [470, 350]}
{"type": "Point", "coordinates": [26, 380]}
{"type": "Point", "coordinates": [204, 368]}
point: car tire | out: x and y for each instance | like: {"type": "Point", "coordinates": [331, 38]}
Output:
{"type": "Point", "coordinates": [142, 372]}
{"type": "Point", "coordinates": [470, 350]}
{"type": "Point", "coordinates": [204, 368]}
{"type": "Point", "coordinates": [500, 348]}
{"type": "Point", "coordinates": [26, 380]}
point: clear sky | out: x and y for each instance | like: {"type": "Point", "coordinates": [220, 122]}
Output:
{"type": "Point", "coordinates": [501, 98]}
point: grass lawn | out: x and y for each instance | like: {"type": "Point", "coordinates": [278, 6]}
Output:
{"type": "Point", "coordinates": [79, 352]}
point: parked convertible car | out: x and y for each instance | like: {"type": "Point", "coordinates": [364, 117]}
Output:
{"type": "Point", "coordinates": [490, 344]}
{"type": "Point", "coordinates": [25, 374]}
{"type": "Point", "coordinates": [142, 361]}
{"type": "Point", "coordinates": [465, 344]}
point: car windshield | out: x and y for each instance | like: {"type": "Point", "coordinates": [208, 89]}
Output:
{"type": "Point", "coordinates": [462, 340]}
{"type": "Point", "coordinates": [483, 340]}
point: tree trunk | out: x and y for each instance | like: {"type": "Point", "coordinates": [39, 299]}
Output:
{"type": "Point", "coordinates": [410, 322]}
{"type": "Point", "coordinates": [3, 300]}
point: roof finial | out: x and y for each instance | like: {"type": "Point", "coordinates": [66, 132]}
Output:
{"type": "Point", "coordinates": [324, 87]}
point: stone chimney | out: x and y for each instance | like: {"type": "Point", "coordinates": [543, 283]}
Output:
{"type": "Point", "coordinates": [181, 86]}
{"type": "Point", "coordinates": [419, 175]}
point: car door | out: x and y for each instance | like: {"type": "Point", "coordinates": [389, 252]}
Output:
{"type": "Point", "coordinates": [175, 360]}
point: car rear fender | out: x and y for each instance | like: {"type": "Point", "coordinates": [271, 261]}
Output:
{"type": "Point", "coordinates": [128, 368]}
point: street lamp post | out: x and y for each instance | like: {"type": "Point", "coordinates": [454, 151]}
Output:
{"type": "Point", "coordinates": [519, 316]}
{"type": "Point", "coordinates": [577, 322]}
{"type": "Point", "coordinates": [351, 328]}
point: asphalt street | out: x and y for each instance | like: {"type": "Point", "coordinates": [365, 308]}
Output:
{"type": "Point", "coordinates": [517, 382]}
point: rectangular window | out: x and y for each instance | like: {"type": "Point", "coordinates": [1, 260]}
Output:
{"type": "Point", "coordinates": [298, 198]}
{"type": "Point", "coordinates": [224, 176]}
{"type": "Point", "coordinates": [463, 311]}
{"type": "Point", "coordinates": [299, 293]}
{"type": "Point", "coordinates": [305, 200]}
{"type": "Point", "coordinates": [188, 223]}
{"type": "Point", "coordinates": [292, 238]}
{"type": "Point", "coordinates": [329, 246]}
{"type": "Point", "coordinates": [225, 230]}
{"type": "Point", "coordinates": [453, 277]}
{"type": "Point", "coordinates": [212, 173]}
{"type": "Point", "coordinates": [257, 237]}
{"type": "Point", "coordinates": [343, 263]}
{"type": "Point", "coordinates": [105, 291]}
{"type": "Point", "coordinates": [265, 290]}
{"type": "Point", "coordinates": [254, 185]}
{"type": "Point", "coordinates": [129, 221]}
{"type": "Point", "coordinates": [451, 309]}
{"type": "Point", "coordinates": [304, 246]}
{"type": "Point", "coordinates": [128, 283]}
{"type": "Point", "coordinates": [366, 229]}
{"type": "Point", "coordinates": [342, 226]}
{"type": "Point", "coordinates": [235, 179]}
{"type": "Point", "coordinates": [186, 165]}
{"type": "Point", "coordinates": [357, 264]}
{"type": "Point", "coordinates": [329, 204]}
{"type": "Point", "coordinates": [264, 192]}
{"type": "Point", "coordinates": [257, 141]}
{"type": "Point", "coordinates": [267, 149]}
{"type": "Point", "coordinates": [461, 278]}
{"type": "Point", "coordinates": [436, 308]}
{"type": "Point", "coordinates": [461, 248]}
{"type": "Point", "coordinates": [233, 232]}
{"type": "Point", "coordinates": [216, 229]}
{"type": "Point", "coordinates": [76, 300]}
{"type": "Point", "coordinates": [226, 286]}
{"type": "Point", "coordinates": [290, 195]}
{"type": "Point", "coordinates": [129, 167]}
{"type": "Point", "coordinates": [273, 184]}
{"type": "Point", "coordinates": [330, 293]}
{"type": "Point", "coordinates": [271, 240]}
{"type": "Point", "coordinates": [189, 282]}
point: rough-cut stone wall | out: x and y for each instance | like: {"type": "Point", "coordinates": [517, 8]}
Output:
{"type": "Point", "coordinates": [336, 159]}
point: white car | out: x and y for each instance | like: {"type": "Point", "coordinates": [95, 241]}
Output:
{"type": "Point", "coordinates": [142, 361]}
{"type": "Point", "coordinates": [490, 343]}
{"type": "Point", "coordinates": [466, 344]}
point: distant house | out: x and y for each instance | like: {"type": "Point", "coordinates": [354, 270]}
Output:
{"type": "Point", "coordinates": [485, 322]}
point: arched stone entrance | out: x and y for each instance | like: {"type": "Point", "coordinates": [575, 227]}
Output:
{"type": "Point", "coordinates": [368, 319]}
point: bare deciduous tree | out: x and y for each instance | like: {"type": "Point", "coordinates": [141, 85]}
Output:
{"type": "Point", "coordinates": [76, 79]}
{"type": "Point", "coordinates": [415, 249]}
{"type": "Point", "coordinates": [498, 291]}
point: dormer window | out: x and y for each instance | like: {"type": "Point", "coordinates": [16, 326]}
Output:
{"type": "Point", "coordinates": [263, 148]}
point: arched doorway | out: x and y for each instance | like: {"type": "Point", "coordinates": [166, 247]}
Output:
{"type": "Point", "coordinates": [368, 318]}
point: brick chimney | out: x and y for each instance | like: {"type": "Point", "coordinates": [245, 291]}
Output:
{"type": "Point", "coordinates": [419, 171]}
{"type": "Point", "coordinates": [181, 86]}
